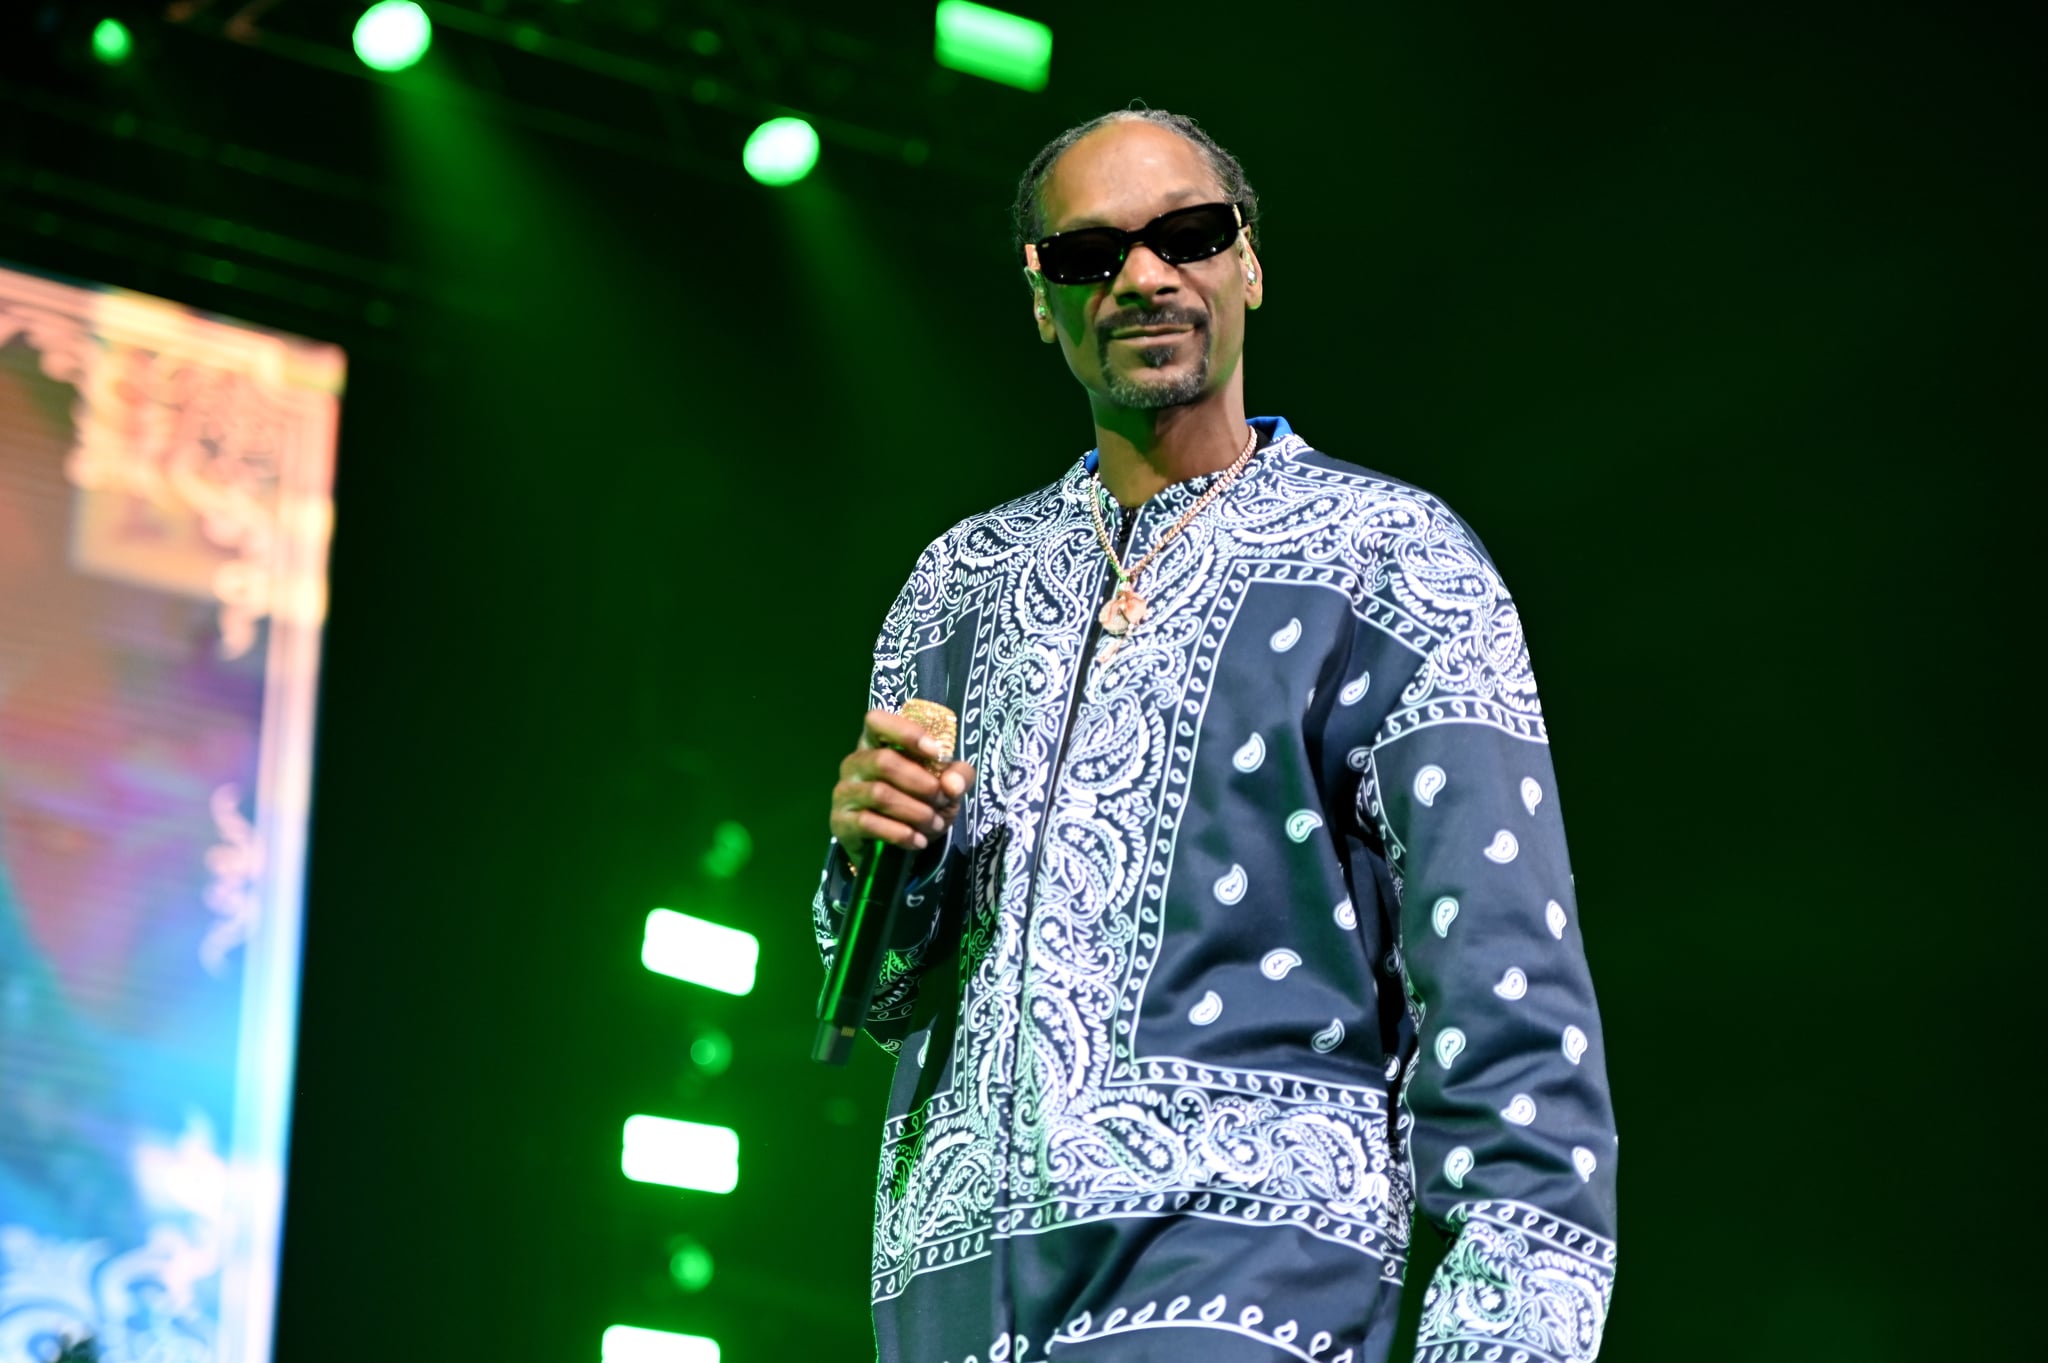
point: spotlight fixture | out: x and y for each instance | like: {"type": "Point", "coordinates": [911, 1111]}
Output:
{"type": "Point", "coordinates": [392, 35]}
{"type": "Point", "coordinates": [112, 43]}
{"type": "Point", "coordinates": [781, 151]}
{"type": "Point", "coordinates": [993, 44]}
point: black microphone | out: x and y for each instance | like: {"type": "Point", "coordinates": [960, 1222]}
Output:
{"type": "Point", "coordinates": [879, 883]}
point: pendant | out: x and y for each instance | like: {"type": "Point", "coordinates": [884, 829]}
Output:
{"type": "Point", "coordinates": [1125, 611]}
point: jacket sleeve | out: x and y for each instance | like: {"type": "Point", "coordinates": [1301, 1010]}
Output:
{"type": "Point", "coordinates": [897, 677]}
{"type": "Point", "coordinates": [1511, 1130]}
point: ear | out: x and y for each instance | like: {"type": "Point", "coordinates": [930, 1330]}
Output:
{"type": "Point", "coordinates": [1041, 305]}
{"type": "Point", "coordinates": [1254, 272]}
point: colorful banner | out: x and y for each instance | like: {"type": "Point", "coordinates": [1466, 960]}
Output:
{"type": "Point", "coordinates": [164, 520]}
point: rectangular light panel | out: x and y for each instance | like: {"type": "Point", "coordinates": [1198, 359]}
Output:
{"type": "Point", "coordinates": [681, 1154]}
{"type": "Point", "coordinates": [993, 44]}
{"type": "Point", "coordinates": [706, 953]}
{"type": "Point", "coordinates": [630, 1344]}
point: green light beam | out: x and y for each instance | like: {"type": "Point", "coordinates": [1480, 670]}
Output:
{"type": "Point", "coordinates": [681, 1154]}
{"type": "Point", "coordinates": [700, 952]}
{"type": "Point", "coordinates": [992, 44]}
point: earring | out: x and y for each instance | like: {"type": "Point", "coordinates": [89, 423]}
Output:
{"type": "Point", "coordinates": [1251, 276]}
{"type": "Point", "coordinates": [1042, 313]}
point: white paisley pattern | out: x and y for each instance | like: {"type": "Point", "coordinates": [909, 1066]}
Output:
{"type": "Point", "coordinates": [1517, 1279]}
{"type": "Point", "coordinates": [1047, 1107]}
{"type": "Point", "coordinates": [1182, 1313]}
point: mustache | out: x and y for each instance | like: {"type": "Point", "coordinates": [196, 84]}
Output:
{"type": "Point", "coordinates": [1150, 317]}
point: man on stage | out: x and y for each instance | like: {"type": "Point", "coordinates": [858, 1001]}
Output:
{"type": "Point", "coordinates": [1245, 926]}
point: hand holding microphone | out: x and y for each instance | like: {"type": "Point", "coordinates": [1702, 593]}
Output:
{"type": "Point", "coordinates": [897, 792]}
{"type": "Point", "coordinates": [888, 788]}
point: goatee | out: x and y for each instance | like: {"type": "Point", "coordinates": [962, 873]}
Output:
{"type": "Point", "coordinates": [1129, 392]}
{"type": "Point", "coordinates": [1126, 391]}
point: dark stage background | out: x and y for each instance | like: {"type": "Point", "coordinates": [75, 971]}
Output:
{"type": "Point", "coordinates": [1719, 325]}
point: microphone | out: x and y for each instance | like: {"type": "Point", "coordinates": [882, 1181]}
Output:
{"type": "Point", "coordinates": [879, 883]}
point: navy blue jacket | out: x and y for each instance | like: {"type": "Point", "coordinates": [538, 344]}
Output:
{"type": "Point", "coordinates": [1255, 934]}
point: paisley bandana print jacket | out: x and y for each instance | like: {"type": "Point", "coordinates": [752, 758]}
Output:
{"type": "Point", "coordinates": [1255, 935]}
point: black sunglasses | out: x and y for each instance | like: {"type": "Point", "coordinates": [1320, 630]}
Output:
{"type": "Point", "coordinates": [1088, 255]}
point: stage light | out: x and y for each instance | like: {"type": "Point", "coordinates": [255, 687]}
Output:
{"type": "Point", "coordinates": [731, 847]}
{"type": "Point", "coordinates": [681, 1154]}
{"type": "Point", "coordinates": [629, 1344]}
{"type": "Point", "coordinates": [711, 1052]}
{"type": "Point", "coordinates": [701, 952]}
{"type": "Point", "coordinates": [781, 151]}
{"type": "Point", "coordinates": [690, 1265]}
{"type": "Point", "coordinates": [993, 45]}
{"type": "Point", "coordinates": [112, 43]}
{"type": "Point", "coordinates": [393, 34]}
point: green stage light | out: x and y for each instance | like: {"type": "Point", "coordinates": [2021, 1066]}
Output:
{"type": "Point", "coordinates": [731, 847]}
{"type": "Point", "coordinates": [393, 34]}
{"type": "Point", "coordinates": [690, 1265]}
{"type": "Point", "coordinates": [681, 1154]}
{"type": "Point", "coordinates": [629, 1344]}
{"type": "Point", "coordinates": [701, 952]}
{"type": "Point", "coordinates": [993, 45]}
{"type": "Point", "coordinates": [781, 151]}
{"type": "Point", "coordinates": [711, 1052]}
{"type": "Point", "coordinates": [112, 43]}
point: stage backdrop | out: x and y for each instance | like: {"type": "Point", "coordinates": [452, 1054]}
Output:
{"type": "Point", "coordinates": [164, 517]}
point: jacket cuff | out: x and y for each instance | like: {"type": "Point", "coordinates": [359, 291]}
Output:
{"type": "Point", "coordinates": [915, 921]}
{"type": "Point", "coordinates": [1517, 1283]}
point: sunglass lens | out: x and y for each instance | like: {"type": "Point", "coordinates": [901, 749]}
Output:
{"type": "Point", "coordinates": [1092, 254]}
{"type": "Point", "coordinates": [1080, 257]}
{"type": "Point", "coordinates": [1193, 233]}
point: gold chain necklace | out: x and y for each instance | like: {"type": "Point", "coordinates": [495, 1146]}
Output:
{"type": "Point", "coordinates": [1126, 610]}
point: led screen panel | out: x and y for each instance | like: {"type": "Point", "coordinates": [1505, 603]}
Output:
{"type": "Point", "coordinates": [164, 517]}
